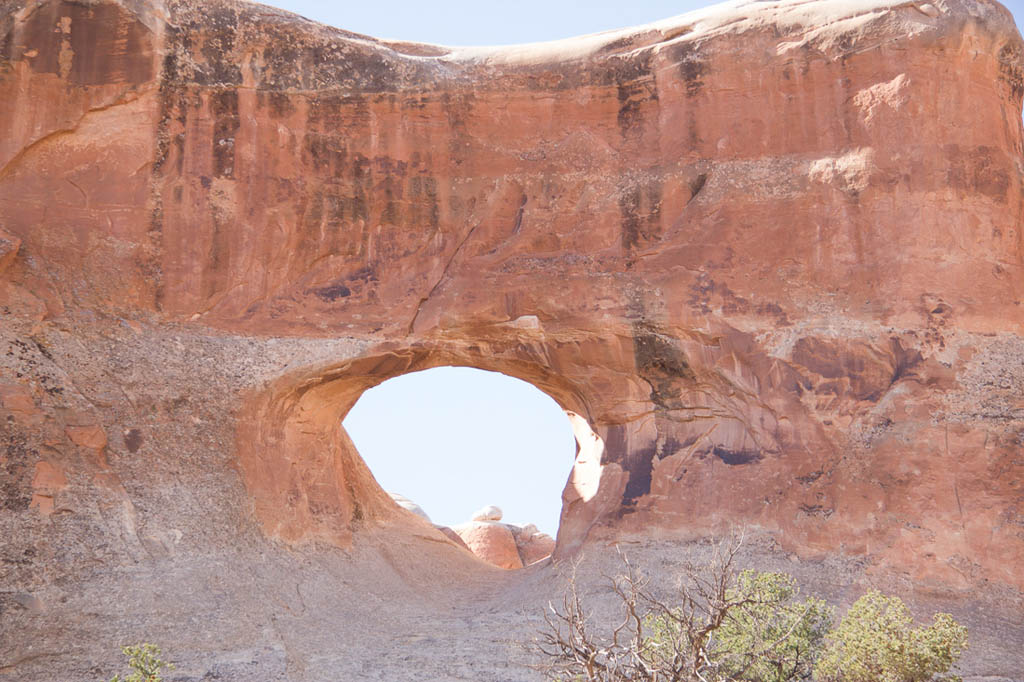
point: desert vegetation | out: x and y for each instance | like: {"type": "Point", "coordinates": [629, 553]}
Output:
{"type": "Point", "coordinates": [145, 664]}
{"type": "Point", "coordinates": [724, 624]}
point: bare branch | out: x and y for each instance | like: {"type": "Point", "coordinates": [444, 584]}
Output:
{"type": "Point", "coordinates": [676, 639]}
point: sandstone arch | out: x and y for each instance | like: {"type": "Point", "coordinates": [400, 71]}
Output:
{"type": "Point", "coordinates": [714, 295]}
{"type": "Point", "coordinates": [307, 480]}
{"type": "Point", "coordinates": [771, 252]}
{"type": "Point", "coordinates": [733, 297]}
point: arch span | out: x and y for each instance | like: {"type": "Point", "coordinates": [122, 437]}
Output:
{"type": "Point", "coordinates": [308, 482]}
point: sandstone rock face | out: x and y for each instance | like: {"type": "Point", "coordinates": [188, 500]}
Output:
{"type": "Point", "coordinates": [769, 257]}
{"type": "Point", "coordinates": [8, 248]}
{"type": "Point", "coordinates": [454, 537]}
{"type": "Point", "coordinates": [493, 542]}
{"type": "Point", "coordinates": [533, 545]}
{"type": "Point", "coordinates": [505, 545]}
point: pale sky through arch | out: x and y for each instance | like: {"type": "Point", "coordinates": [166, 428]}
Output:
{"type": "Point", "coordinates": [456, 439]}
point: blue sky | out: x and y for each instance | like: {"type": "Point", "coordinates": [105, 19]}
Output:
{"type": "Point", "coordinates": [472, 22]}
{"type": "Point", "coordinates": [454, 440]}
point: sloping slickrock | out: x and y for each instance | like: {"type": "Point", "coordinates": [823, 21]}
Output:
{"type": "Point", "coordinates": [454, 537]}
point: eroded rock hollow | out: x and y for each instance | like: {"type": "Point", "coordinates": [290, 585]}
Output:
{"type": "Point", "coordinates": [769, 256]}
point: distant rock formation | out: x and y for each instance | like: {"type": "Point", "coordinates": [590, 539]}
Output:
{"type": "Point", "coordinates": [491, 541]}
{"type": "Point", "coordinates": [504, 545]}
{"type": "Point", "coordinates": [489, 513]}
{"type": "Point", "coordinates": [533, 545]}
{"type": "Point", "coordinates": [407, 504]}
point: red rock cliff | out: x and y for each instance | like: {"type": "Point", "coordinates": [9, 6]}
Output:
{"type": "Point", "coordinates": [771, 255]}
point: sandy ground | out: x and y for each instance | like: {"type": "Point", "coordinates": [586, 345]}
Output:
{"type": "Point", "coordinates": [392, 608]}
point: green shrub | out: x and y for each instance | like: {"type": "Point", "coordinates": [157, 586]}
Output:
{"type": "Point", "coordinates": [771, 636]}
{"type": "Point", "coordinates": [723, 625]}
{"type": "Point", "coordinates": [144, 660]}
{"type": "Point", "coordinates": [759, 632]}
{"type": "Point", "coordinates": [876, 642]}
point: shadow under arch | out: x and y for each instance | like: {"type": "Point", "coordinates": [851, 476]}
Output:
{"type": "Point", "coordinates": [307, 482]}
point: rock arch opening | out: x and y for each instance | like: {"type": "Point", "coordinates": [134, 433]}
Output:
{"type": "Point", "coordinates": [483, 456]}
{"type": "Point", "coordinates": [308, 482]}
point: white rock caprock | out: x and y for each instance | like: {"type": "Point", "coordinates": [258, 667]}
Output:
{"type": "Point", "coordinates": [488, 513]}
